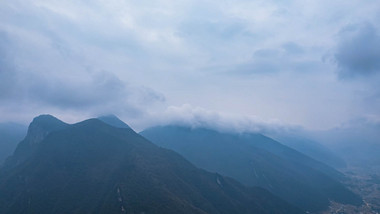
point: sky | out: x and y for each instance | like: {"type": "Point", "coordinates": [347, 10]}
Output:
{"type": "Point", "coordinates": [234, 64]}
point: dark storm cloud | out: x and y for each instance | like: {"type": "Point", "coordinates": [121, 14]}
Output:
{"type": "Point", "coordinates": [358, 51]}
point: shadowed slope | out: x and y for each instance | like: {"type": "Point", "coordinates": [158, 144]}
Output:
{"type": "Point", "coordinates": [256, 160]}
{"type": "Point", "coordinates": [91, 167]}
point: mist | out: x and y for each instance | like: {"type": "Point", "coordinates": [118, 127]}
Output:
{"type": "Point", "coordinates": [301, 77]}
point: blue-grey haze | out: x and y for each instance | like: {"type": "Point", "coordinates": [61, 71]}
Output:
{"type": "Point", "coordinates": [241, 65]}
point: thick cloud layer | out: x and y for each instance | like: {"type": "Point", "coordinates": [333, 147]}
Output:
{"type": "Point", "coordinates": [52, 82]}
{"type": "Point", "coordinates": [262, 60]}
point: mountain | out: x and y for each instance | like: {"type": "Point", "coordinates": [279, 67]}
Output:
{"type": "Point", "coordinates": [310, 148]}
{"type": "Point", "coordinates": [256, 160]}
{"type": "Point", "coordinates": [10, 135]}
{"type": "Point", "coordinates": [113, 121]}
{"type": "Point", "coordinates": [38, 129]}
{"type": "Point", "coordinates": [357, 142]}
{"type": "Point", "coordinates": [92, 167]}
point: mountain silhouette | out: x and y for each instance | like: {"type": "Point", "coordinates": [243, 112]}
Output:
{"type": "Point", "coordinates": [256, 160]}
{"type": "Point", "coordinates": [38, 129]}
{"type": "Point", "coordinates": [93, 167]}
{"type": "Point", "coordinates": [311, 148]}
{"type": "Point", "coordinates": [113, 121]}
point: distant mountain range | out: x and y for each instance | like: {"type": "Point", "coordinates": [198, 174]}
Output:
{"type": "Point", "coordinates": [310, 148]}
{"type": "Point", "coordinates": [94, 167]}
{"type": "Point", "coordinates": [358, 144]}
{"type": "Point", "coordinates": [256, 160]}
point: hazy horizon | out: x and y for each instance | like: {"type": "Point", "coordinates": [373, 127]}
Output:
{"type": "Point", "coordinates": [260, 106]}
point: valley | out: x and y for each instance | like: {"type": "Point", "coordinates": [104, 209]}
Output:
{"type": "Point", "coordinates": [366, 183]}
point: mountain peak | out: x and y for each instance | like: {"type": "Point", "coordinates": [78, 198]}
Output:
{"type": "Point", "coordinates": [113, 121]}
{"type": "Point", "coordinates": [106, 169]}
{"type": "Point", "coordinates": [38, 129]}
{"type": "Point", "coordinates": [42, 125]}
{"type": "Point", "coordinates": [47, 121]}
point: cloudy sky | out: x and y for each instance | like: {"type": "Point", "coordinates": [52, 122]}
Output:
{"type": "Point", "coordinates": [312, 64]}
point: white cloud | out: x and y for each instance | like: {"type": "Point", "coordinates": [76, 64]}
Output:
{"type": "Point", "coordinates": [188, 115]}
{"type": "Point", "coordinates": [97, 56]}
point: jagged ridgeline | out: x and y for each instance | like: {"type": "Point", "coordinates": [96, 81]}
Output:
{"type": "Point", "coordinates": [94, 167]}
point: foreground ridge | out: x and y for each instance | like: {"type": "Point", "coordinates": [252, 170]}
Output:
{"type": "Point", "coordinates": [92, 167]}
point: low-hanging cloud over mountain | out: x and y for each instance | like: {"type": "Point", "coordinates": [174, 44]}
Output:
{"type": "Point", "coordinates": [275, 60]}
